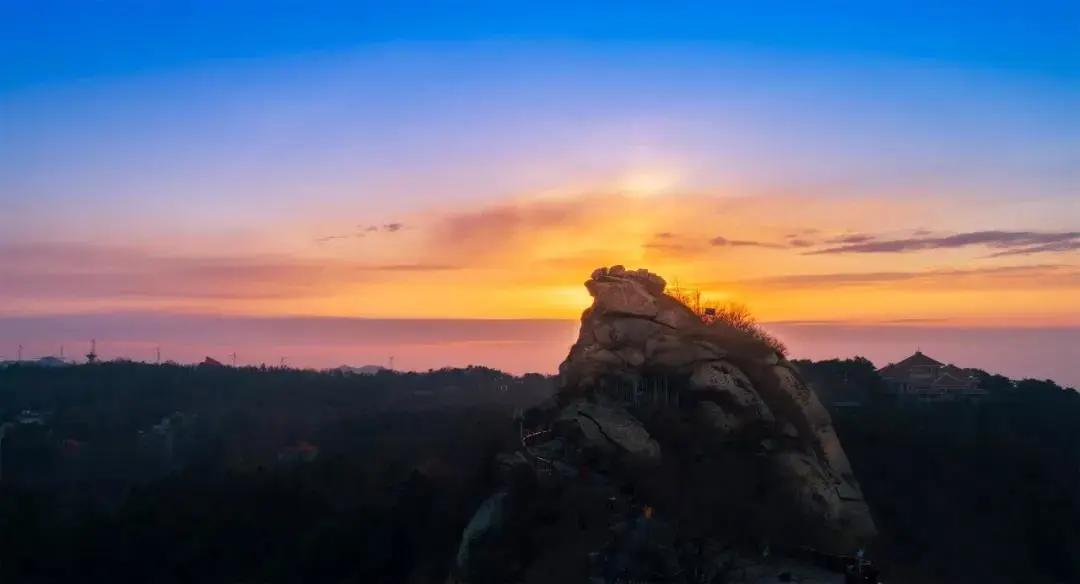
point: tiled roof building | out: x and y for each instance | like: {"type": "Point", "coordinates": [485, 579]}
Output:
{"type": "Point", "coordinates": [924, 378]}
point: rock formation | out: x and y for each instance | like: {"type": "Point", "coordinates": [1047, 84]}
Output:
{"type": "Point", "coordinates": [668, 437]}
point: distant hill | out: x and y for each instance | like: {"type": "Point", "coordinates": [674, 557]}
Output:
{"type": "Point", "coordinates": [42, 362]}
{"type": "Point", "coordinates": [363, 370]}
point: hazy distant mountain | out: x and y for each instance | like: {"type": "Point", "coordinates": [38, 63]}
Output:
{"type": "Point", "coordinates": [42, 362]}
{"type": "Point", "coordinates": [364, 370]}
{"type": "Point", "coordinates": [51, 362]}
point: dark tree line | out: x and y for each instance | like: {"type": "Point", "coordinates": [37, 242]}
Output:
{"type": "Point", "coordinates": [140, 473]}
{"type": "Point", "coordinates": [965, 492]}
{"type": "Point", "coordinates": [96, 493]}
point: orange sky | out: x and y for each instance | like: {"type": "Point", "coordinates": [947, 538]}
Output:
{"type": "Point", "coordinates": [527, 256]}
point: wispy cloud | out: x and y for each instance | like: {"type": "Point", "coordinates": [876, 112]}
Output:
{"type": "Point", "coordinates": [1057, 246]}
{"type": "Point", "coordinates": [329, 238]}
{"type": "Point", "coordinates": [413, 268]}
{"type": "Point", "coordinates": [1014, 242]}
{"type": "Point", "coordinates": [362, 231]}
{"type": "Point", "coordinates": [720, 241]}
{"type": "Point", "coordinates": [514, 231]}
{"type": "Point", "coordinates": [86, 271]}
{"type": "Point", "coordinates": [851, 238]}
{"type": "Point", "coordinates": [1049, 275]}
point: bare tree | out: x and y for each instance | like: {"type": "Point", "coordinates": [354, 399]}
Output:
{"type": "Point", "coordinates": [733, 314]}
{"type": "Point", "coordinates": [738, 316]}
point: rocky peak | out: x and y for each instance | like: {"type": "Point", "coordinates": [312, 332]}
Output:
{"type": "Point", "coordinates": [640, 347]}
{"type": "Point", "coordinates": [633, 327]}
{"type": "Point", "coordinates": [711, 427]}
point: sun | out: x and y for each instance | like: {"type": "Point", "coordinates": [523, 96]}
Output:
{"type": "Point", "coordinates": [648, 183]}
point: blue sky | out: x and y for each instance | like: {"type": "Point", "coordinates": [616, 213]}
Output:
{"type": "Point", "coordinates": [246, 158]}
{"type": "Point", "coordinates": [209, 111]}
{"type": "Point", "coordinates": [49, 41]}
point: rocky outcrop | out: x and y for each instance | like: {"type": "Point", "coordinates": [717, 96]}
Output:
{"type": "Point", "coordinates": [634, 335]}
{"type": "Point", "coordinates": [609, 428]}
{"type": "Point", "coordinates": [705, 426]}
{"type": "Point", "coordinates": [485, 523]}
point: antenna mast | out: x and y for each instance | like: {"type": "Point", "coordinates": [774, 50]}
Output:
{"type": "Point", "coordinates": [91, 357]}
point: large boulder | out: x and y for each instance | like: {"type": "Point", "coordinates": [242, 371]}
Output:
{"type": "Point", "coordinates": [671, 351]}
{"type": "Point", "coordinates": [609, 427]}
{"type": "Point", "coordinates": [613, 331]}
{"type": "Point", "coordinates": [616, 292]}
{"type": "Point", "coordinates": [719, 421]}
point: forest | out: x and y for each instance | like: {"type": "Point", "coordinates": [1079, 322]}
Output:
{"type": "Point", "coordinates": [964, 491]}
{"type": "Point", "coordinates": [132, 472]}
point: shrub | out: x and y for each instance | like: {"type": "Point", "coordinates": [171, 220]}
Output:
{"type": "Point", "coordinates": [732, 314]}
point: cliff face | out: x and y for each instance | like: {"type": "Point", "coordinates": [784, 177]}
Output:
{"type": "Point", "coordinates": [732, 389]}
{"type": "Point", "coordinates": [668, 430]}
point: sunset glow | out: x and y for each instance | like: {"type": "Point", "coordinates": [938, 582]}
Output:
{"type": "Point", "coordinates": [426, 177]}
{"type": "Point", "coordinates": [782, 254]}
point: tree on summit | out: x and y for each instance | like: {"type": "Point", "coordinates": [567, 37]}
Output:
{"type": "Point", "coordinates": [733, 314]}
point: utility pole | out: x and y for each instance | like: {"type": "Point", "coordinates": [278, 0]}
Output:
{"type": "Point", "coordinates": [158, 355]}
{"type": "Point", "coordinates": [234, 359]}
{"type": "Point", "coordinates": [61, 352]}
{"type": "Point", "coordinates": [391, 362]}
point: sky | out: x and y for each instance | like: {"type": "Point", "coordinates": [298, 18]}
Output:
{"type": "Point", "coordinates": [382, 177]}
